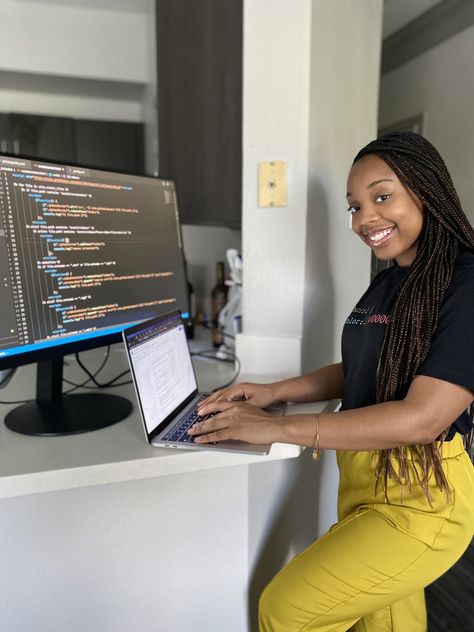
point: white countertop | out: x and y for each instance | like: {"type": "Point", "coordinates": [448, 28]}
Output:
{"type": "Point", "coordinates": [32, 465]}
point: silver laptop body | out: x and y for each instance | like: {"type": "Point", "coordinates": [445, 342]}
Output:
{"type": "Point", "coordinates": [166, 387]}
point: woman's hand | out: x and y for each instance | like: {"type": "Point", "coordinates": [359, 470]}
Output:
{"type": "Point", "coordinates": [239, 421]}
{"type": "Point", "coordinates": [259, 395]}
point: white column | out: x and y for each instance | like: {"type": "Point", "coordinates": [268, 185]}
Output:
{"type": "Point", "coordinates": [311, 76]}
{"type": "Point", "coordinates": [275, 127]}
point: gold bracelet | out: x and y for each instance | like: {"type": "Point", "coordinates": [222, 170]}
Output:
{"type": "Point", "coordinates": [316, 441]}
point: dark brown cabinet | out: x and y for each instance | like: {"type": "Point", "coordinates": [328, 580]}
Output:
{"type": "Point", "coordinates": [100, 144]}
{"type": "Point", "coordinates": [48, 137]}
{"type": "Point", "coordinates": [110, 145]}
{"type": "Point", "coordinates": [199, 61]}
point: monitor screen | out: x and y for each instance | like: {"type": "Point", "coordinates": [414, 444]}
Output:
{"type": "Point", "coordinates": [83, 253]}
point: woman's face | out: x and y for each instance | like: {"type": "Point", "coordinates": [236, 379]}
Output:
{"type": "Point", "coordinates": [386, 215]}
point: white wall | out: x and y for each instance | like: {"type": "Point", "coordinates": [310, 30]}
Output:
{"type": "Point", "coordinates": [65, 61]}
{"type": "Point", "coordinates": [128, 556]}
{"type": "Point", "coordinates": [439, 83]}
{"type": "Point", "coordinates": [310, 98]}
{"type": "Point", "coordinates": [99, 44]}
{"type": "Point", "coordinates": [343, 118]}
{"type": "Point", "coordinates": [275, 127]}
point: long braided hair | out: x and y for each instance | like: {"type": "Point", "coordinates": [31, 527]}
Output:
{"type": "Point", "coordinates": [414, 316]}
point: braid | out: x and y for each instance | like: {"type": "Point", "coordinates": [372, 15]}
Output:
{"type": "Point", "coordinates": [414, 316]}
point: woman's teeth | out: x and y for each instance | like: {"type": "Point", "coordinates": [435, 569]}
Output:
{"type": "Point", "coordinates": [375, 237]}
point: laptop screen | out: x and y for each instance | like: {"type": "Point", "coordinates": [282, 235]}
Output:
{"type": "Point", "coordinates": [162, 368]}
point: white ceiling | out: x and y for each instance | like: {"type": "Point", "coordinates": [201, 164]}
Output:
{"type": "Point", "coordinates": [398, 13]}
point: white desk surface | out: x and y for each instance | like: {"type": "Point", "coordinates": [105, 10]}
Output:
{"type": "Point", "coordinates": [32, 465]}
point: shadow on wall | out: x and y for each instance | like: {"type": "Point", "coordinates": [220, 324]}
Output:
{"type": "Point", "coordinates": [318, 321]}
{"type": "Point", "coordinates": [294, 526]}
{"type": "Point", "coordinates": [298, 520]}
{"type": "Point", "coordinates": [302, 515]}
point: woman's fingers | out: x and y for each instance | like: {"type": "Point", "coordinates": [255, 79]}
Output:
{"type": "Point", "coordinates": [239, 421]}
{"type": "Point", "coordinates": [213, 437]}
{"type": "Point", "coordinates": [210, 399]}
{"type": "Point", "coordinates": [209, 427]}
{"type": "Point", "coordinates": [218, 395]}
{"type": "Point", "coordinates": [234, 393]}
{"type": "Point", "coordinates": [215, 407]}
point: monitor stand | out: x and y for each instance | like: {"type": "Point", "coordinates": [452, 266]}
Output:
{"type": "Point", "coordinates": [55, 414]}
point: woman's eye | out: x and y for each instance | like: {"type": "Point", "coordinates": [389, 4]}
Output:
{"type": "Point", "coordinates": [352, 209]}
{"type": "Point", "coordinates": [382, 198]}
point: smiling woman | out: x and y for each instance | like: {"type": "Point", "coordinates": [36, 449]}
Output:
{"type": "Point", "coordinates": [385, 213]}
{"type": "Point", "coordinates": [405, 502]}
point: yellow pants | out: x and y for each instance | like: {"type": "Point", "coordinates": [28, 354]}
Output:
{"type": "Point", "coordinates": [369, 570]}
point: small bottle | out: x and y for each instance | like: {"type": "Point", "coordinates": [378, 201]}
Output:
{"type": "Point", "coordinates": [219, 299]}
{"type": "Point", "coordinates": [192, 312]}
{"type": "Point", "coordinates": [189, 321]}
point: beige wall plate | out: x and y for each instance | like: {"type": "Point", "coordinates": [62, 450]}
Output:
{"type": "Point", "coordinates": [272, 183]}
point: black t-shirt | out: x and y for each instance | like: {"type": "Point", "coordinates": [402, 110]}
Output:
{"type": "Point", "coordinates": [451, 354]}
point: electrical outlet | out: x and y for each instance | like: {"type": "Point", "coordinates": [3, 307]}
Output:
{"type": "Point", "coordinates": [272, 184]}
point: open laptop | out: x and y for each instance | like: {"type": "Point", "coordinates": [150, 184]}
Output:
{"type": "Point", "coordinates": [166, 387]}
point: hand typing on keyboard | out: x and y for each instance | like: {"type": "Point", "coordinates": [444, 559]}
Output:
{"type": "Point", "coordinates": [181, 431]}
{"type": "Point", "coordinates": [201, 419]}
{"type": "Point", "coordinates": [204, 417]}
{"type": "Point", "coordinates": [222, 421]}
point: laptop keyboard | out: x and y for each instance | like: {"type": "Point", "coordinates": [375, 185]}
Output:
{"type": "Point", "coordinates": [180, 431]}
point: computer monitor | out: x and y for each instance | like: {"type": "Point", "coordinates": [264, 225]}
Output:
{"type": "Point", "coordinates": [83, 253]}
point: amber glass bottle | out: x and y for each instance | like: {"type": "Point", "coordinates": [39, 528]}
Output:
{"type": "Point", "coordinates": [219, 299]}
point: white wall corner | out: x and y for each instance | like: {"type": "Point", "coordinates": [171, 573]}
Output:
{"type": "Point", "coordinates": [344, 82]}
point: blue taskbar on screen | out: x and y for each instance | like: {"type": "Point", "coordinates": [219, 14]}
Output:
{"type": "Point", "coordinates": [54, 342]}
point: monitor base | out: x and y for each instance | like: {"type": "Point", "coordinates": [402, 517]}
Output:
{"type": "Point", "coordinates": [72, 414]}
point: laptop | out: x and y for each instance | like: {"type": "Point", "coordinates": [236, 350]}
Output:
{"type": "Point", "coordinates": [166, 387]}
